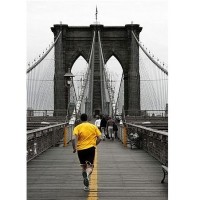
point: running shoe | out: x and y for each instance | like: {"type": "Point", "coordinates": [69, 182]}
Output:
{"type": "Point", "coordinates": [85, 179]}
{"type": "Point", "coordinates": [86, 189]}
{"type": "Point", "coordinates": [88, 163]}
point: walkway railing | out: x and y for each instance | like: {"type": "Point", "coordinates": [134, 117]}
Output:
{"type": "Point", "coordinates": [153, 141]}
{"type": "Point", "coordinates": [41, 139]}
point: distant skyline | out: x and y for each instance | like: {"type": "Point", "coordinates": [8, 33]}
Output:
{"type": "Point", "coordinates": [150, 14]}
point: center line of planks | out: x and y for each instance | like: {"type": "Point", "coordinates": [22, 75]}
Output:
{"type": "Point", "coordinates": [93, 182]}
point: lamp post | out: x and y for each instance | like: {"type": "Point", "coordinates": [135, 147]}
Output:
{"type": "Point", "coordinates": [68, 77]}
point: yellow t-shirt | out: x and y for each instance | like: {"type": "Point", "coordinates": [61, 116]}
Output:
{"type": "Point", "coordinates": [87, 135]}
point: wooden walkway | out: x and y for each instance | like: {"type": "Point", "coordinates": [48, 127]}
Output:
{"type": "Point", "coordinates": [120, 173]}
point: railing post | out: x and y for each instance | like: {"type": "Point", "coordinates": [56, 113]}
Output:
{"type": "Point", "coordinates": [125, 136]}
{"type": "Point", "coordinates": [65, 136]}
{"type": "Point", "coordinates": [54, 137]}
{"type": "Point", "coordinates": [70, 132]}
{"type": "Point", "coordinates": [120, 130]}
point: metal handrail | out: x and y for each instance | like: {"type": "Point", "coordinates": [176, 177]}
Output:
{"type": "Point", "coordinates": [149, 129]}
{"type": "Point", "coordinates": [155, 142]}
{"type": "Point", "coordinates": [45, 128]}
{"type": "Point", "coordinates": [41, 139]}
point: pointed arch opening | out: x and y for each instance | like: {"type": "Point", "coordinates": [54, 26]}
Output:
{"type": "Point", "coordinates": [79, 69]}
{"type": "Point", "coordinates": [115, 71]}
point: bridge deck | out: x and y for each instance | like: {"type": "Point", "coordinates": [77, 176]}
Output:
{"type": "Point", "coordinates": [120, 173]}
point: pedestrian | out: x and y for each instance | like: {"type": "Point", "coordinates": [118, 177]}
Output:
{"type": "Point", "coordinates": [103, 127]}
{"type": "Point", "coordinates": [115, 129]}
{"type": "Point", "coordinates": [109, 127]}
{"type": "Point", "coordinates": [98, 122]}
{"type": "Point", "coordinates": [86, 137]}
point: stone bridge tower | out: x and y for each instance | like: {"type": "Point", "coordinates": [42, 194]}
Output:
{"type": "Point", "coordinates": [116, 41]}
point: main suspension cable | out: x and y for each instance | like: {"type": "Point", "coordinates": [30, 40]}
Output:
{"type": "Point", "coordinates": [42, 58]}
{"type": "Point", "coordinates": [155, 62]}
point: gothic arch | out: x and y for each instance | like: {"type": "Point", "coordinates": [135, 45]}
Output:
{"type": "Point", "coordinates": [114, 55]}
{"type": "Point", "coordinates": [116, 41]}
{"type": "Point", "coordinates": [75, 56]}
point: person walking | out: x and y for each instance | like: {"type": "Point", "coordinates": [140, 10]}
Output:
{"type": "Point", "coordinates": [109, 127]}
{"type": "Point", "coordinates": [98, 122]}
{"type": "Point", "coordinates": [115, 129]}
{"type": "Point", "coordinates": [103, 127]}
{"type": "Point", "coordinates": [86, 137]}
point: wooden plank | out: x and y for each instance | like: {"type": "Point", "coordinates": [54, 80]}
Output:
{"type": "Point", "coordinates": [122, 173]}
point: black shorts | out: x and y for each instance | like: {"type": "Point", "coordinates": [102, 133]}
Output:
{"type": "Point", "coordinates": [86, 155]}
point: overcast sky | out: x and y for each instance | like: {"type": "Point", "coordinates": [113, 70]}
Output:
{"type": "Point", "coordinates": [150, 14]}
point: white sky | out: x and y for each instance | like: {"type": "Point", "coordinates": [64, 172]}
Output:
{"type": "Point", "coordinates": [150, 14]}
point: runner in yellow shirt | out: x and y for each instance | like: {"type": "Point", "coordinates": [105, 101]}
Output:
{"type": "Point", "coordinates": [86, 137]}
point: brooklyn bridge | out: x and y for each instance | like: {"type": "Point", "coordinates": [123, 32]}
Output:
{"type": "Point", "coordinates": [135, 164]}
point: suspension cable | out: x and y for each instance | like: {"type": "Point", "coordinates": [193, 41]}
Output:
{"type": "Point", "coordinates": [108, 88]}
{"type": "Point", "coordinates": [42, 58]}
{"type": "Point", "coordinates": [119, 96]}
{"type": "Point", "coordinates": [155, 62]}
{"type": "Point", "coordinates": [101, 73]}
{"type": "Point", "coordinates": [87, 76]}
